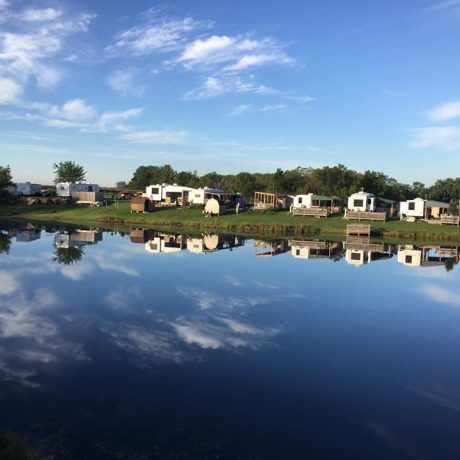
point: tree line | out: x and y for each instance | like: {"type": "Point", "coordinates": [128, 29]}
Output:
{"type": "Point", "coordinates": [329, 180]}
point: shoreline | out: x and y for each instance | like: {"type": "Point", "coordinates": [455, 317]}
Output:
{"type": "Point", "coordinates": [273, 224]}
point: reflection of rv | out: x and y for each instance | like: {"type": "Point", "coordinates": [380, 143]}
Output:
{"type": "Point", "coordinates": [165, 243]}
{"type": "Point", "coordinates": [422, 209]}
{"type": "Point", "coordinates": [426, 256]}
{"type": "Point", "coordinates": [213, 242]}
{"type": "Point", "coordinates": [168, 195]}
{"type": "Point", "coordinates": [77, 239]}
{"type": "Point", "coordinates": [360, 251]}
{"type": "Point", "coordinates": [270, 248]}
{"type": "Point", "coordinates": [315, 249]}
{"type": "Point", "coordinates": [27, 235]}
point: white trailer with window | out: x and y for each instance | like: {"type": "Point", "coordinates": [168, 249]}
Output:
{"type": "Point", "coordinates": [202, 195]}
{"type": "Point", "coordinates": [422, 209]}
{"type": "Point", "coordinates": [362, 201]}
{"type": "Point", "coordinates": [169, 195]}
{"type": "Point", "coordinates": [65, 189]}
{"type": "Point", "coordinates": [28, 189]}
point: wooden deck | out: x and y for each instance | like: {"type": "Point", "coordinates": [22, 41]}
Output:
{"type": "Point", "coordinates": [312, 212]}
{"type": "Point", "coordinates": [363, 244]}
{"type": "Point", "coordinates": [358, 230]}
{"type": "Point", "coordinates": [363, 215]}
{"type": "Point", "coordinates": [450, 220]}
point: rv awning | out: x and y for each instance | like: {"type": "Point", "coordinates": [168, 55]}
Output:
{"type": "Point", "coordinates": [325, 198]}
{"type": "Point", "coordinates": [436, 204]}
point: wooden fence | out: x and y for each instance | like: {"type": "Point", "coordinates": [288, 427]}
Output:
{"type": "Point", "coordinates": [363, 215]}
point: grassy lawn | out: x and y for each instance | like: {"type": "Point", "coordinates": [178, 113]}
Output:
{"type": "Point", "coordinates": [280, 223]}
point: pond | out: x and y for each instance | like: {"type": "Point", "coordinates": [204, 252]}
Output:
{"type": "Point", "coordinates": [152, 345]}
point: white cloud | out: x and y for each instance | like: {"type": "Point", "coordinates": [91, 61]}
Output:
{"type": "Point", "coordinates": [28, 54]}
{"type": "Point", "coordinates": [445, 5]}
{"type": "Point", "coordinates": [124, 81]}
{"type": "Point", "coordinates": [243, 108]}
{"type": "Point", "coordinates": [438, 137]}
{"type": "Point", "coordinates": [9, 90]}
{"type": "Point", "coordinates": [157, 35]}
{"type": "Point", "coordinates": [75, 109]}
{"type": "Point", "coordinates": [38, 15]}
{"type": "Point", "coordinates": [238, 53]}
{"type": "Point", "coordinates": [446, 112]}
{"type": "Point", "coordinates": [155, 137]}
{"type": "Point", "coordinates": [272, 107]}
{"type": "Point", "coordinates": [214, 86]}
{"type": "Point", "coordinates": [9, 283]}
{"type": "Point", "coordinates": [441, 295]}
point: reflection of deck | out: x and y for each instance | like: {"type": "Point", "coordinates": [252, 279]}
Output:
{"type": "Point", "coordinates": [304, 249]}
{"type": "Point", "coordinates": [363, 244]}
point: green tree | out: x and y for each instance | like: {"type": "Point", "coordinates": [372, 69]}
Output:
{"type": "Point", "coordinates": [121, 184]}
{"type": "Point", "coordinates": [5, 176]}
{"type": "Point", "coordinates": [453, 207]}
{"type": "Point", "coordinates": [68, 171]}
{"type": "Point", "coordinates": [5, 243]}
{"type": "Point", "coordinates": [151, 175]}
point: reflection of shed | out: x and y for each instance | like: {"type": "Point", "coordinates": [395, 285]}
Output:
{"type": "Point", "coordinates": [213, 242]}
{"type": "Point", "coordinates": [165, 243]}
{"type": "Point", "coordinates": [270, 248]}
{"type": "Point", "coordinates": [139, 235]}
{"type": "Point", "coordinates": [426, 256]}
{"type": "Point", "coordinates": [315, 249]}
{"type": "Point", "coordinates": [275, 201]}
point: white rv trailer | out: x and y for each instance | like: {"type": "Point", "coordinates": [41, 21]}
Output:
{"type": "Point", "coordinates": [422, 209]}
{"type": "Point", "coordinates": [28, 189]}
{"type": "Point", "coordinates": [201, 195]}
{"type": "Point", "coordinates": [65, 189]}
{"type": "Point", "coordinates": [362, 201]}
{"type": "Point", "coordinates": [167, 194]}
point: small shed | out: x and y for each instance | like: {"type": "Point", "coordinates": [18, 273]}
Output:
{"type": "Point", "coordinates": [141, 204]}
{"type": "Point", "coordinates": [268, 200]}
{"type": "Point", "coordinates": [213, 208]}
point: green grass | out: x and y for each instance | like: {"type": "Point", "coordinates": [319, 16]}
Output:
{"type": "Point", "coordinates": [270, 223]}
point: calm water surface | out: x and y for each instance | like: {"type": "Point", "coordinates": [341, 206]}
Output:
{"type": "Point", "coordinates": [145, 345]}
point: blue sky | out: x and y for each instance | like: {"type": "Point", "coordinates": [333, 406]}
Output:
{"type": "Point", "coordinates": [230, 86]}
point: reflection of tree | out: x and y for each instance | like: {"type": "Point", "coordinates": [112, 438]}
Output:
{"type": "Point", "coordinates": [13, 447]}
{"type": "Point", "coordinates": [449, 264]}
{"type": "Point", "coordinates": [5, 243]}
{"type": "Point", "coordinates": [68, 256]}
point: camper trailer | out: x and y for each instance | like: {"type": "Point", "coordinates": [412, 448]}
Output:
{"type": "Point", "coordinates": [28, 189]}
{"type": "Point", "coordinates": [315, 205]}
{"type": "Point", "coordinates": [67, 189]}
{"type": "Point", "coordinates": [422, 209]}
{"type": "Point", "coordinates": [168, 195]}
{"type": "Point", "coordinates": [202, 195]}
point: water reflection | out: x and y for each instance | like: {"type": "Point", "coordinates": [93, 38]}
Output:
{"type": "Point", "coordinates": [238, 354]}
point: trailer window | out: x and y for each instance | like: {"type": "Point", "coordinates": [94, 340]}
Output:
{"type": "Point", "coordinates": [300, 200]}
{"type": "Point", "coordinates": [408, 259]}
{"type": "Point", "coordinates": [155, 190]}
{"type": "Point", "coordinates": [411, 206]}
{"type": "Point", "coordinates": [358, 203]}
{"type": "Point", "coordinates": [355, 256]}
